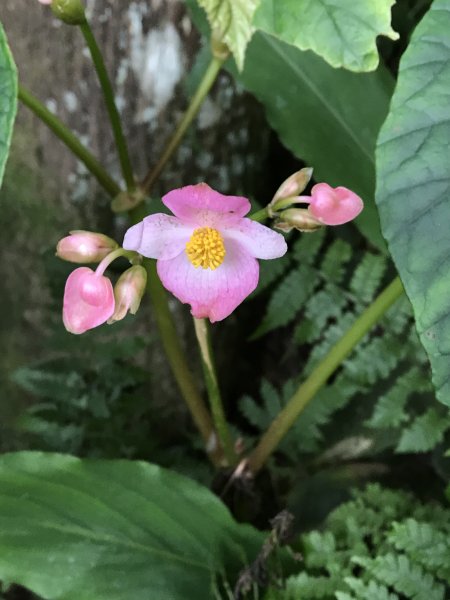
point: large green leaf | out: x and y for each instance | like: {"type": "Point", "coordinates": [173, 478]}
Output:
{"type": "Point", "coordinates": [8, 99]}
{"type": "Point", "coordinates": [328, 117]}
{"type": "Point", "coordinates": [343, 32]}
{"type": "Point", "coordinates": [231, 20]}
{"type": "Point", "coordinates": [74, 529]}
{"type": "Point", "coordinates": [413, 185]}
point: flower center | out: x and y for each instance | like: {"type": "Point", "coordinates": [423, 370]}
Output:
{"type": "Point", "coordinates": [206, 249]}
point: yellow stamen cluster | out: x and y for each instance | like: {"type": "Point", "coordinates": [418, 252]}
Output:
{"type": "Point", "coordinates": [206, 249]}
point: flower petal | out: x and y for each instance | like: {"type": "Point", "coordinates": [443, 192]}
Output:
{"type": "Point", "coordinates": [79, 315]}
{"type": "Point", "coordinates": [258, 240]}
{"type": "Point", "coordinates": [211, 293]}
{"type": "Point", "coordinates": [201, 205]}
{"type": "Point", "coordinates": [334, 206]}
{"type": "Point", "coordinates": [158, 236]}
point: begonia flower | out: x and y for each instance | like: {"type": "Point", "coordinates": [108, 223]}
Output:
{"type": "Point", "coordinates": [333, 206]}
{"type": "Point", "coordinates": [206, 253]}
{"type": "Point", "coordinates": [88, 300]}
{"type": "Point", "coordinates": [85, 247]}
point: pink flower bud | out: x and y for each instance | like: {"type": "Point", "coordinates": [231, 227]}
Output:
{"type": "Point", "coordinates": [293, 185]}
{"type": "Point", "coordinates": [334, 206]}
{"type": "Point", "coordinates": [88, 300]}
{"type": "Point", "coordinates": [85, 247]}
{"type": "Point", "coordinates": [297, 218]}
{"type": "Point", "coordinates": [128, 292]}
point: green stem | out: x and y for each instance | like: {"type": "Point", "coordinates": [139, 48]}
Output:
{"type": "Point", "coordinates": [108, 94]}
{"type": "Point", "coordinates": [212, 386]}
{"type": "Point", "coordinates": [202, 91]}
{"type": "Point", "coordinates": [306, 392]}
{"type": "Point", "coordinates": [109, 258]}
{"type": "Point", "coordinates": [177, 361]}
{"type": "Point", "coordinates": [70, 140]}
{"type": "Point", "coordinates": [260, 215]}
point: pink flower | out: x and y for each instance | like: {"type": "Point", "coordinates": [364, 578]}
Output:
{"type": "Point", "coordinates": [333, 206]}
{"type": "Point", "coordinates": [207, 252]}
{"type": "Point", "coordinates": [88, 300]}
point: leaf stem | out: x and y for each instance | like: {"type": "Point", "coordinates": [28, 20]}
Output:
{"type": "Point", "coordinates": [335, 357]}
{"type": "Point", "coordinates": [212, 386]}
{"type": "Point", "coordinates": [70, 140]}
{"type": "Point", "coordinates": [108, 94]}
{"type": "Point", "coordinates": [202, 91]}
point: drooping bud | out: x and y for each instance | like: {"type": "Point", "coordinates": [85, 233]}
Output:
{"type": "Point", "coordinates": [88, 300]}
{"type": "Point", "coordinates": [297, 218]}
{"type": "Point", "coordinates": [70, 12]}
{"type": "Point", "coordinates": [128, 292]}
{"type": "Point", "coordinates": [292, 186]}
{"type": "Point", "coordinates": [85, 247]}
{"type": "Point", "coordinates": [334, 206]}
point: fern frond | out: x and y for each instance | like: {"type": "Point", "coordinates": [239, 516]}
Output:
{"type": "Point", "coordinates": [366, 591]}
{"type": "Point", "coordinates": [306, 587]}
{"type": "Point", "coordinates": [390, 408]}
{"type": "Point", "coordinates": [425, 544]}
{"type": "Point", "coordinates": [424, 433]}
{"type": "Point", "coordinates": [307, 246]}
{"type": "Point", "coordinates": [367, 277]}
{"type": "Point", "coordinates": [404, 576]}
{"type": "Point", "coordinates": [270, 271]}
{"type": "Point", "coordinates": [288, 299]}
{"type": "Point", "coordinates": [334, 263]}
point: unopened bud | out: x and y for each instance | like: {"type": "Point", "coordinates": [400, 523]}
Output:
{"type": "Point", "coordinates": [69, 11]}
{"type": "Point", "coordinates": [128, 292]}
{"type": "Point", "coordinates": [125, 201]}
{"type": "Point", "coordinates": [297, 218]}
{"type": "Point", "coordinates": [85, 247]}
{"type": "Point", "coordinates": [293, 185]}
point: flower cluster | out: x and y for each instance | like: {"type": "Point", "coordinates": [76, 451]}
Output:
{"type": "Point", "coordinates": [89, 297]}
{"type": "Point", "coordinates": [207, 251]}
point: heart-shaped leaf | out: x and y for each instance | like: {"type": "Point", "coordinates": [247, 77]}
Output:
{"type": "Point", "coordinates": [74, 529]}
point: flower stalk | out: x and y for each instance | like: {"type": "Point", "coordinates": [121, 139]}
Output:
{"type": "Point", "coordinates": [108, 94]}
{"type": "Point", "coordinates": [318, 378]}
{"type": "Point", "coordinates": [177, 361]}
{"type": "Point", "coordinates": [212, 386]}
